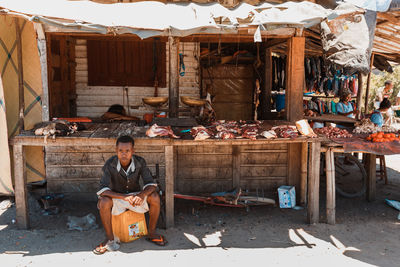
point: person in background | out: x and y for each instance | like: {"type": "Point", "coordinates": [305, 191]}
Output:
{"type": "Point", "coordinates": [117, 113]}
{"type": "Point", "coordinates": [345, 107]}
{"type": "Point", "coordinates": [383, 92]}
{"type": "Point", "coordinates": [377, 115]}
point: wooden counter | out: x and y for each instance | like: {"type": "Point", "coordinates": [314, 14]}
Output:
{"type": "Point", "coordinates": [331, 118]}
{"type": "Point", "coordinates": [74, 164]}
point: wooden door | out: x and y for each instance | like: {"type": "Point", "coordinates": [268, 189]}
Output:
{"type": "Point", "coordinates": [61, 76]}
{"type": "Point", "coordinates": [231, 88]}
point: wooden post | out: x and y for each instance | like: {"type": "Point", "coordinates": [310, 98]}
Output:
{"type": "Point", "coordinates": [368, 83]}
{"type": "Point", "coordinates": [235, 166]}
{"type": "Point", "coordinates": [267, 83]}
{"type": "Point", "coordinates": [303, 179]}
{"type": "Point", "coordinates": [41, 40]}
{"type": "Point", "coordinates": [313, 183]}
{"type": "Point", "coordinates": [21, 198]}
{"type": "Point", "coordinates": [330, 186]}
{"type": "Point", "coordinates": [21, 106]}
{"type": "Point", "coordinates": [169, 185]}
{"type": "Point", "coordinates": [371, 181]}
{"type": "Point", "coordinates": [359, 94]}
{"type": "Point", "coordinates": [294, 151]}
{"type": "Point", "coordinates": [173, 76]}
{"type": "Point", "coordinates": [295, 79]}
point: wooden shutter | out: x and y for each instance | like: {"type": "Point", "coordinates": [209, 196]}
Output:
{"type": "Point", "coordinates": [125, 62]}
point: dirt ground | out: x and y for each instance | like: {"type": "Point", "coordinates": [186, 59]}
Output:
{"type": "Point", "coordinates": [366, 234]}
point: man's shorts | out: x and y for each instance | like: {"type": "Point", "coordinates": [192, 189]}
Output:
{"type": "Point", "coordinates": [120, 206]}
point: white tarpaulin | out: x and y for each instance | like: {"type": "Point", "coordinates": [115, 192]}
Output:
{"type": "Point", "coordinates": [6, 187]}
{"type": "Point", "coordinates": [373, 5]}
{"type": "Point", "coordinates": [151, 18]}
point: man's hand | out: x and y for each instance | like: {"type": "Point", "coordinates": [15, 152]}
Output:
{"type": "Point", "coordinates": [135, 200]}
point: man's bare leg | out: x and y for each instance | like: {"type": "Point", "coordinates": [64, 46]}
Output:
{"type": "Point", "coordinates": [154, 212]}
{"type": "Point", "coordinates": [105, 205]}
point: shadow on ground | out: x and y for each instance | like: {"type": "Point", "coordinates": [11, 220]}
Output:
{"type": "Point", "coordinates": [366, 232]}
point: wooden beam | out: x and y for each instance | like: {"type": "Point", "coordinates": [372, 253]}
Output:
{"type": "Point", "coordinates": [294, 167]}
{"type": "Point", "coordinates": [387, 37]}
{"type": "Point", "coordinates": [388, 29]}
{"type": "Point", "coordinates": [330, 186]}
{"type": "Point", "coordinates": [169, 185]}
{"type": "Point", "coordinates": [21, 97]}
{"type": "Point", "coordinates": [42, 49]}
{"type": "Point", "coordinates": [368, 83]}
{"type": "Point", "coordinates": [295, 79]}
{"type": "Point", "coordinates": [386, 46]}
{"type": "Point", "coordinates": [313, 183]}
{"type": "Point", "coordinates": [234, 38]}
{"type": "Point", "coordinates": [267, 83]}
{"type": "Point", "coordinates": [360, 94]}
{"type": "Point", "coordinates": [388, 17]}
{"type": "Point", "coordinates": [21, 197]}
{"type": "Point", "coordinates": [390, 57]}
{"type": "Point", "coordinates": [303, 170]}
{"type": "Point", "coordinates": [235, 166]}
{"type": "Point", "coordinates": [274, 42]}
{"type": "Point", "coordinates": [173, 76]}
{"type": "Point", "coordinates": [371, 181]}
{"type": "Point", "coordinates": [382, 49]}
{"type": "Point", "coordinates": [310, 33]}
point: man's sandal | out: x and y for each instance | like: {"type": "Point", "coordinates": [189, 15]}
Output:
{"type": "Point", "coordinates": [159, 240]}
{"type": "Point", "coordinates": [111, 245]}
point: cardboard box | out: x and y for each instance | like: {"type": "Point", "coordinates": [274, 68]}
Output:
{"type": "Point", "coordinates": [287, 197]}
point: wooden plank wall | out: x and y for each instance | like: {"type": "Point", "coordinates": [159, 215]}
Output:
{"type": "Point", "coordinates": [200, 169]}
{"type": "Point", "coordinates": [93, 101]}
{"type": "Point", "coordinates": [77, 170]}
{"type": "Point", "coordinates": [204, 169]}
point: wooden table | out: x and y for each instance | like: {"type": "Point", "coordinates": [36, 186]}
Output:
{"type": "Point", "coordinates": [329, 149]}
{"type": "Point", "coordinates": [308, 170]}
{"type": "Point", "coordinates": [331, 118]}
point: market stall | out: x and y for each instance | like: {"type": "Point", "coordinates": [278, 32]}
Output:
{"type": "Point", "coordinates": [189, 165]}
{"type": "Point", "coordinates": [85, 69]}
{"type": "Point", "coordinates": [370, 140]}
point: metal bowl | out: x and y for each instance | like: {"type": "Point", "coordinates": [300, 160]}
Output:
{"type": "Point", "coordinates": [192, 102]}
{"type": "Point", "coordinates": [155, 101]}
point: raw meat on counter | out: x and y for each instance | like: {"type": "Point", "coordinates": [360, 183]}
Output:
{"type": "Point", "coordinates": [201, 133]}
{"type": "Point", "coordinates": [268, 134]}
{"type": "Point", "coordinates": [55, 128]}
{"type": "Point", "coordinates": [286, 131]}
{"type": "Point", "coordinates": [156, 130]}
{"type": "Point", "coordinates": [225, 135]}
{"type": "Point", "coordinates": [333, 132]}
{"type": "Point", "coordinates": [250, 131]}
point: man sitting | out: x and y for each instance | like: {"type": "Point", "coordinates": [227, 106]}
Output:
{"type": "Point", "coordinates": [120, 190]}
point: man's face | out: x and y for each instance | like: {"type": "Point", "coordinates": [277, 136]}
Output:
{"type": "Point", "coordinates": [389, 86]}
{"type": "Point", "coordinates": [124, 153]}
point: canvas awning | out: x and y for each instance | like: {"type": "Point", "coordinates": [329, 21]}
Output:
{"type": "Point", "coordinates": [150, 18]}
